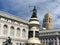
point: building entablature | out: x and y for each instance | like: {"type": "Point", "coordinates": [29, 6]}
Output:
{"type": "Point", "coordinates": [49, 32]}
{"type": "Point", "coordinates": [11, 18]}
{"type": "Point", "coordinates": [14, 24]}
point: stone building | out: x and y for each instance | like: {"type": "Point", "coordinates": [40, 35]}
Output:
{"type": "Point", "coordinates": [48, 21]}
{"type": "Point", "coordinates": [23, 31]}
{"type": "Point", "coordinates": [14, 27]}
{"type": "Point", "coordinates": [48, 35]}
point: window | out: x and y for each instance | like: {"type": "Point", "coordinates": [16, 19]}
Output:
{"type": "Point", "coordinates": [49, 20]}
{"type": "Point", "coordinates": [12, 31]}
{"type": "Point", "coordinates": [30, 34]}
{"type": "Point", "coordinates": [5, 29]}
{"type": "Point", "coordinates": [23, 33]}
{"type": "Point", "coordinates": [45, 20]}
{"type": "Point", "coordinates": [18, 32]}
{"type": "Point", "coordinates": [36, 34]}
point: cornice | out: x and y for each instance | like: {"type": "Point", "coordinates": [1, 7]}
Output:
{"type": "Point", "coordinates": [52, 30]}
{"type": "Point", "coordinates": [10, 16]}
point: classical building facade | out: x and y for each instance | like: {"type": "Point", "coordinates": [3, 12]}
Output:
{"type": "Point", "coordinates": [24, 32]}
{"type": "Point", "coordinates": [50, 37]}
{"type": "Point", "coordinates": [14, 27]}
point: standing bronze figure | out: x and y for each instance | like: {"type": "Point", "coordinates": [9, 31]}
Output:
{"type": "Point", "coordinates": [8, 41]}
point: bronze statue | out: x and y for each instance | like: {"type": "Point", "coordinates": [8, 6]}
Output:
{"type": "Point", "coordinates": [8, 41]}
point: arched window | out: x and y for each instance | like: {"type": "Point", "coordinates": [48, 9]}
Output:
{"type": "Point", "coordinates": [5, 29]}
{"type": "Point", "coordinates": [23, 33]}
{"type": "Point", "coordinates": [18, 32]}
{"type": "Point", "coordinates": [49, 20]}
{"type": "Point", "coordinates": [12, 31]}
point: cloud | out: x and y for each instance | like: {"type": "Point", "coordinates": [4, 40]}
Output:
{"type": "Point", "coordinates": [57, 23]}
{"type": "Point", "coordinates": [22, 9]}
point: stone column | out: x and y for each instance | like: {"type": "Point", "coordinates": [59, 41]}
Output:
{"type": "Point", "coordinates": [1, 29]}
{"type": "Point", "coordinates": [34, 33]}
{"type": "Point", "coordinates": [45, 41]}
{"type": "Point", "coordinates": [8, 30]}
{"type": "Point", "coordinates": [15, 32]}
{"type": "Point", "coordinates": [53, 41]}
{"type": "Point", "coordinates": [21, 33]}
{"type": "Point", "coordinates": [42, 40]}
{"type": "Point", "coordinates": [57, 40]}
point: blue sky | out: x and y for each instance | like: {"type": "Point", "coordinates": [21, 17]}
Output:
{"type": "Point", "coordinates": [23, 8]}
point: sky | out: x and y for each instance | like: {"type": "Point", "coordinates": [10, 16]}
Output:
{"type": "Point", "coordinates": [23, 8]}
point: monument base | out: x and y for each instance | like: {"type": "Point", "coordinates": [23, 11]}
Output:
{"type": "Point", "coordinates": [34, 41]}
